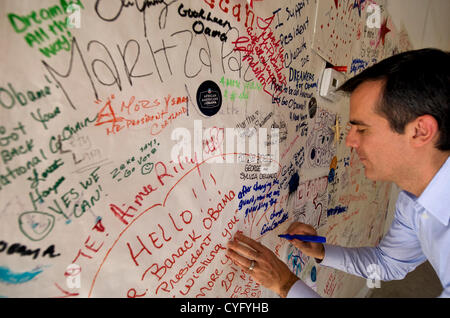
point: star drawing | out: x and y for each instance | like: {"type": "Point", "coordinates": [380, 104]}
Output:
{"type": "Point", "coordinates": [383, 31]}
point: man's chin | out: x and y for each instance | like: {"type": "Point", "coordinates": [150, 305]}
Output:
{"type": "Point", "coordinates": [369, 174]}
{"type": "Point", "coordinates": [373, 176]}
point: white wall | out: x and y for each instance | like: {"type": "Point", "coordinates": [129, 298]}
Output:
{"type": "Point", "coordinates": [427, 21]}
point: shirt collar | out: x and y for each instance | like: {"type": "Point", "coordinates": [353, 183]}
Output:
{"type": "Point", "coordinates": [436, 196]}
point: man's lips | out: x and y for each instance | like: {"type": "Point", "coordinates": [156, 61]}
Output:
{"type": "Point", "coordinates": [361, 158]}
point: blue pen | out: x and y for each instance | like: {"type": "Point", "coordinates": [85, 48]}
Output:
{"type": "Point", "coordinates": [305, 238]}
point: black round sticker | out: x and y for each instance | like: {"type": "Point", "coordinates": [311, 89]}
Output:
{"type": "Point", "coordinates": [209, 98]}
{"type": "Point", "coordinates": [312, 106]}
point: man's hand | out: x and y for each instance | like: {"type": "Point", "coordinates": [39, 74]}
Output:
{"type": "Point", "coordinates": [268, 269]}
{"type": "Point", "coordinates": [315, 250]}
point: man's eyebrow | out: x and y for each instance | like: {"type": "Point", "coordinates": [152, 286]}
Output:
{"type": "Point", "coordinates": [358, 122]}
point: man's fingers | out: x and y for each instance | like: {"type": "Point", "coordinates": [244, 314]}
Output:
{"type": "Point", "coordinates": [243, 250]}
{"type": "Point", "coordinates": [240, 260]}
{"type": "Point", "coordinates": [252, 243]}
{"type": "Point", "coordinates": [301, 228]}
{"type": "Point", "coordinates": [300, 244]}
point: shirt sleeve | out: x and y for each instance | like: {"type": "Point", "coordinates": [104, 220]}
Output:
{"type": "Point", "coordinates": [301, 290]}
{"type": "Point", "coordinates": [398, 253]}
{"type": "Point", "coordinates": [445, 293]}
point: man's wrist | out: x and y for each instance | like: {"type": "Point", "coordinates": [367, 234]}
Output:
{"type": "Point", "coordinates": [322, 256]}
{"type": "Point", "coordinates": [284, 290]}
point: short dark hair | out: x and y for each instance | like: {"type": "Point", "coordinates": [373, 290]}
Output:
{"type": "Point", "coordinates": [416, 83]}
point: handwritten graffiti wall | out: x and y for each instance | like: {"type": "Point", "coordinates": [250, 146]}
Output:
{"type": "Point", "coordinates": [137, 137]}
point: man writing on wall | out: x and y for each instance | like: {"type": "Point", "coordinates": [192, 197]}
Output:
{"type": "Point", "coordinates": [400, 118]}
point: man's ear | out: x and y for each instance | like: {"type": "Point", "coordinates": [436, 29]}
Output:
{"type": "Point", "coordinates": [423, 130]}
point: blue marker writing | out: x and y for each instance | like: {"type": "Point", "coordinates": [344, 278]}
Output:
{"type": "Point", "coordinates": [9, 277]}
{"type": "Point", "coordinates": [305, 238]}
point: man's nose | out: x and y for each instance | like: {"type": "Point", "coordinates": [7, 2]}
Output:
{"type": "Point", "coordinates": [352, 140]}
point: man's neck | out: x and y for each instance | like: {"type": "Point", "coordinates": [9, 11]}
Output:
{"type": "Point", "coordinates": [418, 179]}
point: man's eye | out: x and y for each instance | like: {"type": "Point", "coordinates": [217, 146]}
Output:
{"type": "Point", "coordinates": [360, 130]}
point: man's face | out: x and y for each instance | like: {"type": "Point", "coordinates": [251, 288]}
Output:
{"type": "Point", "coordinates": [381, 150]}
